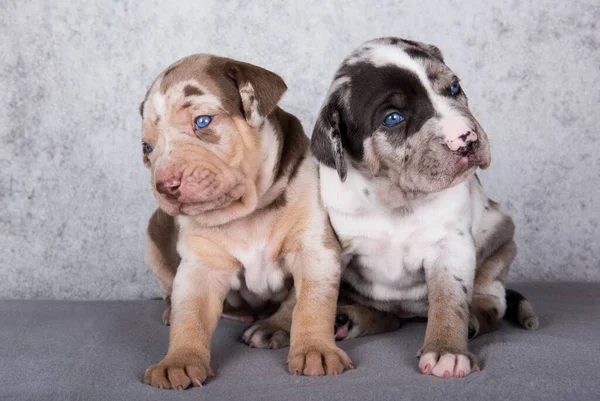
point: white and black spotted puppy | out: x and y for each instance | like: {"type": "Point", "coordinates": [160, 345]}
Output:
{"type": "Point", "coordinates": [399, 148]}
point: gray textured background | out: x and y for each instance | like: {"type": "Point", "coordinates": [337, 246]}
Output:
{"type": "Point", "coordinates": [74, 196]}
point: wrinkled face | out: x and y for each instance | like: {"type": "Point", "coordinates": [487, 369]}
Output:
{"type": "Point", "coordinates": [398, 111]}
{"type": "Point", "coordinates": [201, 120]}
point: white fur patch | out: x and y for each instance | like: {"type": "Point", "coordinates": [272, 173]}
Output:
{"type": "Point", "coordinates": [263, 276]}
{"type": "Point", "coordinates": [395, 247]}
{"type": "Point", "coordinates": [250, 105]}
{"type": "Point", "coordinates": [159, 102]}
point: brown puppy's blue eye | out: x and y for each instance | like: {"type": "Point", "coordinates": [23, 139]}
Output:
{"type": "Point", "coordinates": [455, 88]}
{"type": "Point", "coordinates": [147, 147]}
{"type": "Point", "coordinates": [202, 121]}
{"type": "Point", "coordinates": [393, 119]}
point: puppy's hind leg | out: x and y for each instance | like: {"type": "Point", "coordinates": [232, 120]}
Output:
{"type": "Point", "coordinates": [161, 255]}
{"type": "Point", "coordinates": [354, 320]}
{"type": "Point", "coordinates": [274, 331]}
{"type": "Point", "coordinates": [520, 311]}
{"type": "Point", "coordinates": [491, 301]}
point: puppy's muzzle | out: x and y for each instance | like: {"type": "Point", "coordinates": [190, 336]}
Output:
{"type": "Point", "coordinates": [460, 136]}
{"type": "Point", "coordinates": [201, 187]}
{"type": "Point", "coordinates": [169, 188]}
{"type": "Point", "coordinates": [469, 146]}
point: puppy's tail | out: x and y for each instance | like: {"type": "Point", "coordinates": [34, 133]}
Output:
{"type": "Point", "coordinates": [520, 311]}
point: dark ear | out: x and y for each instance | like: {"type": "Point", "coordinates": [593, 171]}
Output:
{"type": "Point", "coordinates": [326, 140]}
{"type": "Point", "coordinates": [436, 52]}
{"type": "Point", "coordinates": [260, 90]}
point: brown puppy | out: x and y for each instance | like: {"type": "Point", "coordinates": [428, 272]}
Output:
{"type": "Point", "coordinates": [240, 217]}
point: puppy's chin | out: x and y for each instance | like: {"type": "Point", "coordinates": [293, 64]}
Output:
{"type": "Point", "coordinates": [172, 208]}
{"type": "Point", "coordinates": [198, 209]}
{"type": "Point", "coordinates": [465, 166]}
{"type": "Point", "coordinates": [463, 174]}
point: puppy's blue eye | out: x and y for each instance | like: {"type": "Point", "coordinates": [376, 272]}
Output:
{"type": "Point", "coordinates": [455, 88]}
{"type": "Point", "coordinates": [393, 119]}
{"type": "Point", "coordinates": [147, 147]}
{"type": "Point", "coordinates": [202, 121]}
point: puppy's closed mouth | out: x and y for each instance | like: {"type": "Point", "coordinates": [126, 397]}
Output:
{"type": "Point", "coordinates": [192, 209]}
{"type": "Point", "coordinates": [468, 150]}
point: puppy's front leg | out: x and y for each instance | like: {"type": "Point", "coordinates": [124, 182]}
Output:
{"type": "Point", "coordinates": [449, 276]}
{"type": "Point", "coordinates": [313, 351]}
{"type": "Point", "coordinates": [199, 289]}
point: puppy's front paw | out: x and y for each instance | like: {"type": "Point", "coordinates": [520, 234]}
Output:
{"type": "Point", "coordinates": [318, 360]}
{"type": "Point", "coordinates": [447, 364]}
{"type": "Point", "coordinates": [265, 334]}
{"type": "Point", "coordinates": [179, 372]}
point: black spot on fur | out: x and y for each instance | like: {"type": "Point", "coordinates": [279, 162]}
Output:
{"type": "Point", "coordinates": [464, 288]}
{"type": "Point", "coordinates": [461, 232]}
{"type": "Point", "coordinates": [410, 42]}
{"type": "Point", "coordinates": [417, 52]}
{"type": "Point", "coordinates": [458, 278]}
{"type": "Point", "coordinates": [366, 192]}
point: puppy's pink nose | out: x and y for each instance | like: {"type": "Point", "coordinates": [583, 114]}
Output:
{"type": "Point", "coordinates": [458, 134]}
{"type": "Point", "coordinates": [169, 187]}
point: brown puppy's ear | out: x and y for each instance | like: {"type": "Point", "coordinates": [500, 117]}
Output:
{"type": "Point", "coordinates": [326, 141]}
{"type": "Point", "coordinates": [260, 90]}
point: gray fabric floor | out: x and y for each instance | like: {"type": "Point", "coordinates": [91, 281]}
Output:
{"type": "Point", "coordinates": [53, 350]}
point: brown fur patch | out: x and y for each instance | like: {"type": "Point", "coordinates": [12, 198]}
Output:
{"type": "Point", "coordinates": [293, 144]}
{"type": "Point", "coordinates": [208, 135]}
{"type": "Point", "coordinates": [278, 203]}
{"type": "Point", "coordinates": [447, 317]}
{"type": "Point", "coordinates": [190, 90]}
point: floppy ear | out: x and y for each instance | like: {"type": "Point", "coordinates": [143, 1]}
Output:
{"type": "Point", "coordinates": [435, 51]}
{"type": "Point", "coordinates": [326, 141]}
{"type": "Point", "coordinates": [260, 90]}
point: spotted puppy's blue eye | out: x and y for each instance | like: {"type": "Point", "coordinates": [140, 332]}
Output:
{"type": "Point", "coordinates": [455, 88]}
{"type": "Point", "coordinates": [393, 119]}
{"type": "Point", "coordinates": [202, 121]}
{"type": "Point", "coordinates": [147, 147]}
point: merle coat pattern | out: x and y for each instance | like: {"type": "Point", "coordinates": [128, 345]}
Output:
{"type": "Point", "coordinates": [398, 149]}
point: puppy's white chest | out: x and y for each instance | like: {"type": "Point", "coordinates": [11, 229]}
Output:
{"type": "Point", "coordinates": [261, 275]}
{"type": "Point", "coordinates": [382, 243]}
{"type": "Point", "coordinates": [384, 249]}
